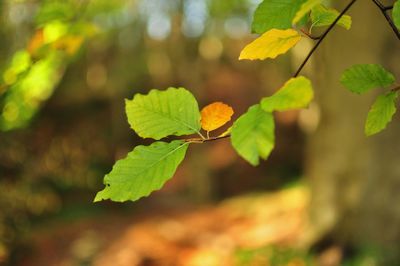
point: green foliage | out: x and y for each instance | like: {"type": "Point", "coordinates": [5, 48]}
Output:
{"type": "Point", "coordinates": [21, 61]}
{"type": "Point", "coordinates": [381, 113]}
{"type": "Point", "coordinates": [144, 170]}
{"type": "Point", "coordinates": [296, 93]}
{"type": "Point", "coordinates": [55, 10]}
{"type": "Point", "coordinates": [273, 256]}
{"type": "Point", "coordinates": [33, 73]}
{"type": "Point", "coordinates": [28, 90]}
{"type": "Point", "coordinates": [322, 16]}
{"type": "Point", "coordinates": [252, 135]}
{"type": "Point", "coordinates": [364, 77]}
{"type": "Point", "coordinates": [396, 14]}
{"type": "Point", "coordinates": [163, 113]}
{"type": "Point", "coordinates": [175, 111]}
{"type": "Point", "coordinates": [272, 14]}
{"type": "Point", "coordinates": [304, 9]}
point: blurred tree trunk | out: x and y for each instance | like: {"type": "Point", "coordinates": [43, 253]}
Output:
{"type": "Point", "coordinates": [355, 180]}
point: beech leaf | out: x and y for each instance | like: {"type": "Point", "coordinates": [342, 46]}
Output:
{"type": "Point", "coordinates": [271, 44]}
{"type": "Point", "coordinates": [253, 135]}
{"type": "Point", "coordinates": [381, 113]}
{"type": "Point", "coordinates": [215, 115]}
{"type": "Point", "coordinates": [144, 170]}
{"type": "Point", "coordinates": [296, 93]}
{"type": "Point", "coordinates": [163, 113]}
{"type": "Point", "coordinates": [364, 77]}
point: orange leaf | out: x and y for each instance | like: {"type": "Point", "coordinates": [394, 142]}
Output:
{"type": "Point", "coordinates": [36, 42]}
{"type": "Point", "coordinates": [215, 115]}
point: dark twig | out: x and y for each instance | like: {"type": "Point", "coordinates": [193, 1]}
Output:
{"type": "Point", "coordinates": [384, 10]}
{"type": "Point", "coordinates": [395, 89]}
{"type": "Point", "coordinates": [200, 140]}
{"type": "Point", "coordinates": [323, 37]}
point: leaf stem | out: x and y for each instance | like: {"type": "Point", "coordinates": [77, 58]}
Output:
{"type": "Point", "coordinates": [323, 37]}
{"type": "Point", "coordinates": [384, 10]}
{"type": "Point", "coordinates": [201, 135]}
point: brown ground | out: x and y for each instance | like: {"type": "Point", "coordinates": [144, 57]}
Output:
{"type": "Point", "coordinates": [204, 236]}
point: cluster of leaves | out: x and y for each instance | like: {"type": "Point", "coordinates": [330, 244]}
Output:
{"type": "Point", "coordinates": [364, 77]}
{"type": "Point", "coordinates": [277, 22]}
{"type": "Point", "coordinates": [33, 72]}
{"type": "Point", "coordinates": [175, 111]}
{"type": "Point", "coordinates": [278, 37]}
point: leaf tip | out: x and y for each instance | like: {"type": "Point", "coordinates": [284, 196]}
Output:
{"type": "Point", "coordinates": [98, 197]}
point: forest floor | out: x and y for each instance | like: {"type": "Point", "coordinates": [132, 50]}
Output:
{"type": "Point", "coordinates": [256, 229]}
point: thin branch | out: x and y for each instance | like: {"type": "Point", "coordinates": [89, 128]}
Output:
{"type": "Point", "coordinates": [384, 10]}
{"type": "Point", "coordinates": [395, 89]}
{"type": "Point", "coordinates": [200, 140]}
{"type": "Point", "coordinates": [323, 37]}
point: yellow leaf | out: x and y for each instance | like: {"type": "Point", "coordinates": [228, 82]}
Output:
{"type": "Point", "coordinates": [271, 44]}
{"type": "Point", "coordinates": [215, 115]}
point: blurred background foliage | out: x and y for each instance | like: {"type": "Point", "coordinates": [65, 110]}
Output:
{"type": "Point", "coordinates": [65, 69]}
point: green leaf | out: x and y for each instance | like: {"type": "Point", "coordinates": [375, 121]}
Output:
{"type": "Point", "coordinates": [252, 134]}
{"type": "Point", "coordinates": [396, 14]}
{"type": "Point", "coordinates": [56, 10]}
{"type": "Point", "coordinates": [363, 77]}
{"type": "Point", "coordinates": [322, 16]}
{"type": "Point", "coordinates": [381, 113]}
{"type": "Point", "coordinates": [275, 14]}
{"type": "Point", "coordinates": [163, 113]}
{"type": "Point", "coordinates": [296, 93]}
{"type": "Point", "coordinates": [144, 170]}
{"type": "Point", "coordinates": [304, 9]}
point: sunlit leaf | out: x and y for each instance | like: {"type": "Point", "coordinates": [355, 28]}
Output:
{"type": "Point", "coordinates": [270, 44]}
{"type": "Point", "coordinates": [275, 14]}
{"type": "Point", "coordinates": [322, 16]}
{"type": "Point", "coordinates": [396, 14]}
{"type": "Point", "coordinates": [215, 115]}
{"type": "Point", "coordinates": [296, 93]}
{"type": "Point", "coordinates": [252, 135]}
{"type": "Point", "coordinates": [363, 77]}
{"type": "Point", "coordinates": [163, 113]}
{"type": "Point", "coordinates": [144, 170]}
{"type": "Point", "coordinates": [54, 31]}
{"type": "Point", "coordinates": [381, 113]}
{"type": "Point", "coordinates": [25, 97]}
{"type": "Point", "coordinates": [20, 62]}
{"type": "Point", "coordinates": [304, 9]}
